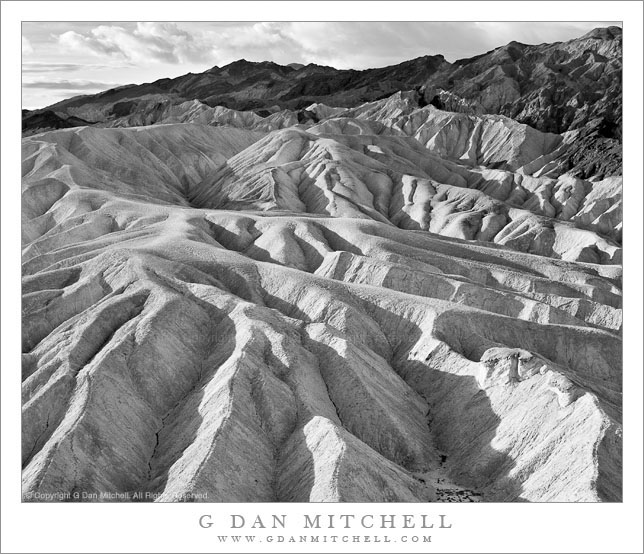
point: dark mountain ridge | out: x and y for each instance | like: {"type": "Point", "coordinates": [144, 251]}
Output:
{"type": "Point", "coordinates": [557, 87]}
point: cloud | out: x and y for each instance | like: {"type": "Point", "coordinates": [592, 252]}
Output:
{"type": "Point", "coordinates": [360, 45]}
{"type": "Point", "coordinates": [160, 42]}
{"type": "Point", "coordinates": [69, 84]}
{"type": "Point", "coordinates": [357, 45]}
{"type": "Point", "coordinates": [46, 67]}
{"type": "Point", "coordinates": [26, 46]}
{"type": "Point", "coordinates": [40, 67]}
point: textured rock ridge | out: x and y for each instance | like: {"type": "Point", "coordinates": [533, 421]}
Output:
{"type": "Point", "coordinates": [394, 180]}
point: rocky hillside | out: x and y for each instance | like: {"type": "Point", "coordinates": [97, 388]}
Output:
{"type": "Point", "coordinates": [389, 302]}
{"type": "Point", "coordinates": [572, 86]}
{"type": "Point", "coordinates": [552, 87]}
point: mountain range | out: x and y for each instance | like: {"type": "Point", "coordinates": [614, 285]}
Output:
{"type": "Point", "coordinates": [556, 88]}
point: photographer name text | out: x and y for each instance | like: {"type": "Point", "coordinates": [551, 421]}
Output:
{"type": "Point", "coordinates": [327, 521]}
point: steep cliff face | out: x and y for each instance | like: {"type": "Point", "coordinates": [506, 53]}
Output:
{"type": "Point", "coordinates": [387, 305]}
{"type": "Point", "coordinates": [569, 87]}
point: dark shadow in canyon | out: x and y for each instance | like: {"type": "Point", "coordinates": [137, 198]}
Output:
{"type": "Point", "coordinates": [461, 420]}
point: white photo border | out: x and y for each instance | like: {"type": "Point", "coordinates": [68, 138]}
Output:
{"type": "Point", "coordinates": [555, 527]}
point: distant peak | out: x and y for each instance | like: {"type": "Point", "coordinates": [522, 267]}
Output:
{"type": "Point", "coordinates": [427, 58]}
{"type": "Point", "coordinates": [241, 65]}
{"type": "Point", "coordinates": [603, 33]}
{"type": "Point", "coordinates": [241, 61]}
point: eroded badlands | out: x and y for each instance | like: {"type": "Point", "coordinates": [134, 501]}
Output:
{"type": "Point", "coordinates": [395, 303]}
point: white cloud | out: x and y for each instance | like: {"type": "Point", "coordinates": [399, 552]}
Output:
{"type": "Point", "coordinates": [26, 46]}
{"type": "Point", "coordinates": [160, 42]}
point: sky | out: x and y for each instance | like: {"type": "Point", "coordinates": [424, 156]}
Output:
{"type": "Point", "coordinates": [65, 59]}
